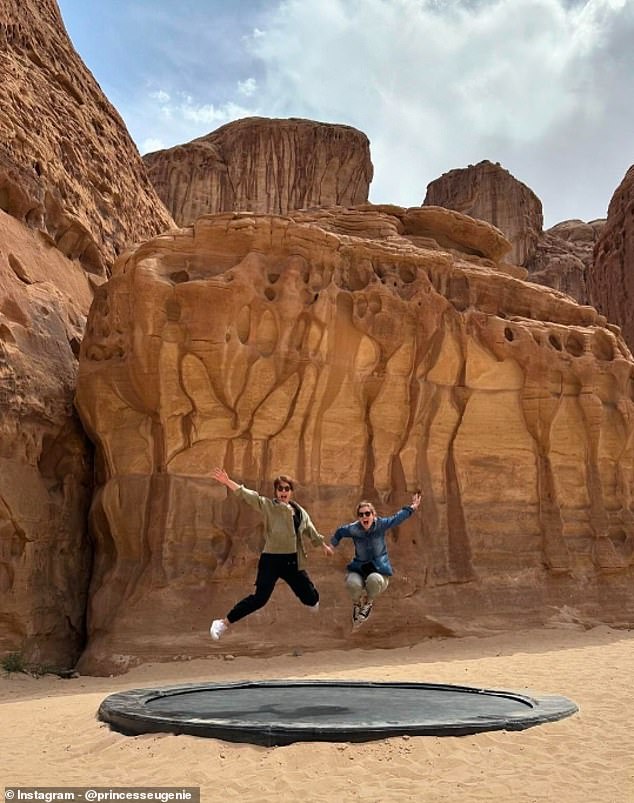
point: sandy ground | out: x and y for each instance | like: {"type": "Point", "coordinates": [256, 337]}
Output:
{"type": "Point", "coordinates": [50, 735]}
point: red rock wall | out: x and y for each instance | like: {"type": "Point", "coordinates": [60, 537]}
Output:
{"type": "Point", "coordinates": [489, 192]}
{"type": "Point", "coordinates": [67, 163]}
{"type": "Point", "coordinates": [367, 352]}
{"type": "Point", "coordinates": [73, 194]}
{"type": "Point", "coordinates": [611, 280]}
{"type": "Point", "coordinates": [263, 165]}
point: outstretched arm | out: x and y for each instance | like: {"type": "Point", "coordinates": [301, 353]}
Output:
{"type": "Point", "coordinates": [316, 537]}
{"type": "Point", "coordinates": [221, 476]}
{"type": "Point", "coordinates": [403, 513]}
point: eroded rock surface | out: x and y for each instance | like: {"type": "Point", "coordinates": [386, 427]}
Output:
{"type": "Point", "coordinates": [263, 165]}
{"type": "Point", "coordinates": [67, 163]}
{"type": "Point", "coordinates": [73, 194]}
{"type": "Point", "coordinates": [564, 255]}
{"type": "Point", "coordinates": [559, 257]}
{"type": "Point", "coordinates": [489, 192]}
{"type": "Point", "coordinates": [611, 279]}
{"type": "Point", "coordinates": [354, 350]}
{"type": "Point", "coordinates": [45, 458]}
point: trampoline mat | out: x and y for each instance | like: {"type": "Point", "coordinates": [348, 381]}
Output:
{"type": "Point", "coordinates": [286, 711]}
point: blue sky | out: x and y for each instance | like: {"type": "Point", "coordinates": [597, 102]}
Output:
{"type": "Point", "coordinates": [544, 87]}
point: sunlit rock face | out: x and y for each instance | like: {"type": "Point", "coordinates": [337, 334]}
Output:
{"type": "Point", "coordinates": [489, 192]}
{"type": "Point", "coordinates": [611, 280]}
{"type": "Point", "coordinates": [68, 166]}
{"type": "Point", "coordinates": [368, 352]}
{"type": "Point", "coordinates": [73, 194]}
{"type": "Point", "coordinates": [263, 165]}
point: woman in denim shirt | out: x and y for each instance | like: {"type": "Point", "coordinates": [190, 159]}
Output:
{"type": "Point", "coordinates": [370, 569]}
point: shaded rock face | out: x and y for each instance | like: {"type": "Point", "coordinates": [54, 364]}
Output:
{"type": "Point", "coordinates": [73, 193]}
{"type": "Point", "coordinates": [564, 255]}
{"type": "Point", "coordinates": [368, 352]}
{"type": "Point", "coordinates": [611, 280]}
{"type": "Point", "coordinates": [489, 192]}
{"type": "Point", "coordinates": [45, 458]}
{"type": "Point", "coordinates": [263, 165]}
{"type": "Point", "coordinates": [558, 258]}
{"type": "Point", "coordinates": [67, 164]}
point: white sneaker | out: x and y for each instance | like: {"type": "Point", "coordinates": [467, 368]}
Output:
{"type": "Point", "coordinates": [314, 608]}
{"type": "Point", "coordinates": [218, 627]}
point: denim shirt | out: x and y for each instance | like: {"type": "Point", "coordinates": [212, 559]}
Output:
{"type": "Point", "coordinates": [370, 546]}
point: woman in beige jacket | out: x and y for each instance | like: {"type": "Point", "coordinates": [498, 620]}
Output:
{"type": "Point", "coordinates": [283, 556]}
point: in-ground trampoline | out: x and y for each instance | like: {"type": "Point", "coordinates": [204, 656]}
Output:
{"type": "Point", "coordinates": [278, 712]}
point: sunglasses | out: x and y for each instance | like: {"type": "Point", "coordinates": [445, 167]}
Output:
{"type": "Point", "coordinates": [364, 513]}
{"type": "Point", "coordinates": [284, 488]}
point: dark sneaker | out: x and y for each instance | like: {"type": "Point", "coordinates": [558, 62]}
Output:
{"type": "Point", "coordinates": [356, 610]}
{"type": "Point", "coordinates": [364, 612]}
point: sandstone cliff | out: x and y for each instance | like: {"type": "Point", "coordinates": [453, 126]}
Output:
{"type": "Point", "coordinates": [67, 164]}
{"type": "Point", "coordinates": [489, 192]}
{"type": "Point", "coordinates": [263, 165]}
{"type": "Point", "coordinates": [73, 194]}
{"type": "Point", "coordinates": [368, 352]}
{"type": "Point", "coordinates": [564, 255]}
{"type": "Point", "coordinates": [611, 280]}
{"type": "Point", "coordinates": [558, 257]}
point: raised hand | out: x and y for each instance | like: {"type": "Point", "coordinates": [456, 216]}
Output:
{"type": "Point", "coordinates": [221, 476]}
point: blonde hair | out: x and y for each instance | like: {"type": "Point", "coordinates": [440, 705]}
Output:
{"type": "Point", "coordinates": [366, 503]}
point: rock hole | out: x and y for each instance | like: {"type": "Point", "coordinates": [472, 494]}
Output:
{"type": "Point", "coordinates": [602, 347]}
{"type": "Point", "coordinates": [554, 341]}
{"type": "Point", "coordinates": [574, 346]}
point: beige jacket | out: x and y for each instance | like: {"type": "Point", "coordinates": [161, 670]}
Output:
{"type": "Point", "coordinates": [279, 529]}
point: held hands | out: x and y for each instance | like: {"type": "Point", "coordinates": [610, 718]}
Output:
{"type": "Point", "coordinates": [328, 549]}
{"type": "Point", "coordinates": [415, 500]}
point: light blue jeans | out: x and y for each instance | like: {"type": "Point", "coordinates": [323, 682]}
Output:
{"type": "Point", "coordinates": [374, 585]}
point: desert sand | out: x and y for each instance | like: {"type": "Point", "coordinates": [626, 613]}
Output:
{"type": "Point", "coordinates": [50, 735]}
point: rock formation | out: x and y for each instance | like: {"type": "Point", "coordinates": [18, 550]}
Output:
{"type": "Point", "coordinates": [557, 258]}
{"type": "Point", "coordinates": [368, 352]}
{"type": "Point", "coordinates": [564, 255]}
{"type": "Point", "coordinates": [67, 164]}
{"type": "Point", "coordinates": [611, 280]}
{"type": "Point", "coordinates": [263, 165]}
{"type": "Point", "coordinates": [489, 192]}
{"type": "Point", "coordinates": [73, 194]}
{"type": "Point", "coordinates": [45, 460]}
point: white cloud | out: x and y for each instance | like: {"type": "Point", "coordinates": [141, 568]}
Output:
{"type": "Point", "coordinates": [541, 86]}
{"type": "Point", "coordinates": [247, 87]}
{"type": "Point", "coordinates": [178, 118]}
{"type": "Point", "coordinates": [437, 85]}
{"type": "Point", "coordinates": [210, 114]}
{"type": "Point", "coordinates": [149, 145]}
{"type": "Point", "coordinates": [161, 96]}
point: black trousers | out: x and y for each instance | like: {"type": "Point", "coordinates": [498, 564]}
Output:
{"type": "Point", "coordinates": [272, 568]}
